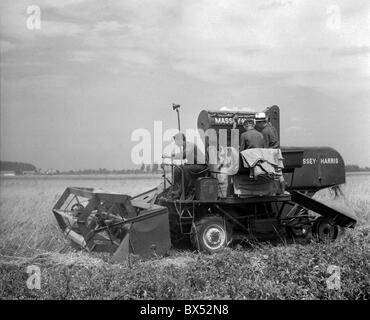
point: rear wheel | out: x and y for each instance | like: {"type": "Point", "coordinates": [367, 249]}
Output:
{"type": "Point", "coordinates": [210, 234]}
{"type": "Point", "coordinates": [325, 230]}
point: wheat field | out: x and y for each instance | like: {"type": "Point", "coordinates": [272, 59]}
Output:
{"type": "Point", "coordinates": [29, 236]}
{"type": "Point", "coordinates": [27, 225]}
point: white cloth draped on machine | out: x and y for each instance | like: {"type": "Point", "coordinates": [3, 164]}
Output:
{"type": "Point", "coordinates": [264, 164]}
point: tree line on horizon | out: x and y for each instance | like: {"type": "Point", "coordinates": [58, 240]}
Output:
{"type": "Point", "coordinates": [145, 168]}
{"type": "Point", "coordinates": [17, 167]}
{"type": "Point", "coordinates": [155, 168]}
{"type": "Point", "coordinates": [20, 167]}
{"type": "Point", "coordinates": [355, 168]}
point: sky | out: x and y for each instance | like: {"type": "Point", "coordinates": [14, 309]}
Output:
{"type": "Point", "coordinates": [73, 91]}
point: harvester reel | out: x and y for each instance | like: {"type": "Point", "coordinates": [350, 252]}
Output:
{"type": "Point", "coordinates": [77, 209]}
{"type": "Point", "coordinates": [111, 222]}
{"type": "Point", "coordinates": [114, 214]}
{"type": "Point", "coordinates": [77, 206]}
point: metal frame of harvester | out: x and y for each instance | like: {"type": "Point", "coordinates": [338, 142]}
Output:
{"type": "Point", "coordinates": [150, 222]}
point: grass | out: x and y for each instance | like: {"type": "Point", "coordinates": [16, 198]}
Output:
{"type": "Point", "coordinates": [28, 235]}
{"type": "Point", "coordinates": [266, 272]}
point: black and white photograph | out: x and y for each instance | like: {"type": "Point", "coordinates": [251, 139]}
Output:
{"type": "Point", "coordinates": [204, 152]}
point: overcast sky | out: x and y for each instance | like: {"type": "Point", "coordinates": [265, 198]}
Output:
{"type": "Point", "coordinates": [73, 91]}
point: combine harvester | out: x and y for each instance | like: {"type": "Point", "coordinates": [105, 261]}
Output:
{"type": "Point", "coordinates": [209, 218]}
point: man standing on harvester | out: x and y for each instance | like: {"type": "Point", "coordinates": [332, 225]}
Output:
{"type": "Point", "coordinates": [260, 134]}
{"type": "Point", "coordinates": [271, 139]}
{"type": "Point", "coordinates": [268, 131]}
{"type": "Point", "coordinates": [251, 138]}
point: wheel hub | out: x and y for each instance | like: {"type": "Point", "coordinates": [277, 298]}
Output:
{"type": "Point", "coordinates": [214, 237]}
{"type": "Point", "coordinates": [326, 231]}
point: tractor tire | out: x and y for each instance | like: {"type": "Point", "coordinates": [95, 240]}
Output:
{"type": "Point", "coordinates": [325, 230]}
{"type": "Point", "coordinates": [210, 234]}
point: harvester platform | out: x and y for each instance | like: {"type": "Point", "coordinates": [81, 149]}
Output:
{"type": "Point", "coordinates": [236, 200]}
{"type": "Point", "coordinates": [112, 222]}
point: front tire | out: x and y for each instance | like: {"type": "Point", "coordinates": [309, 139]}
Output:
{"type": "Point", "coordinates": [210, 234]}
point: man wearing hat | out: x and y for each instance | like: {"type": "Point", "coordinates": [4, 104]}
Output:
{"type": "Point", "coordinates": [251, 138]}
{"type": "Point", "coordinates": [195, 162]}
{"type": "Point", "coordinates": [189, 151]}
{"type": "Point", "coordinates": [268, 131]}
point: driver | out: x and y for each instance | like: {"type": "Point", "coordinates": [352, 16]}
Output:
{"type": "Point", "coordinates": [188, 150]}
{"type": "Point", "coordinates": [194, 162]}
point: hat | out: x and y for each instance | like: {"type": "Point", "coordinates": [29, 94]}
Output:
{"type": "Point", "coordinates": [261, 116]}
